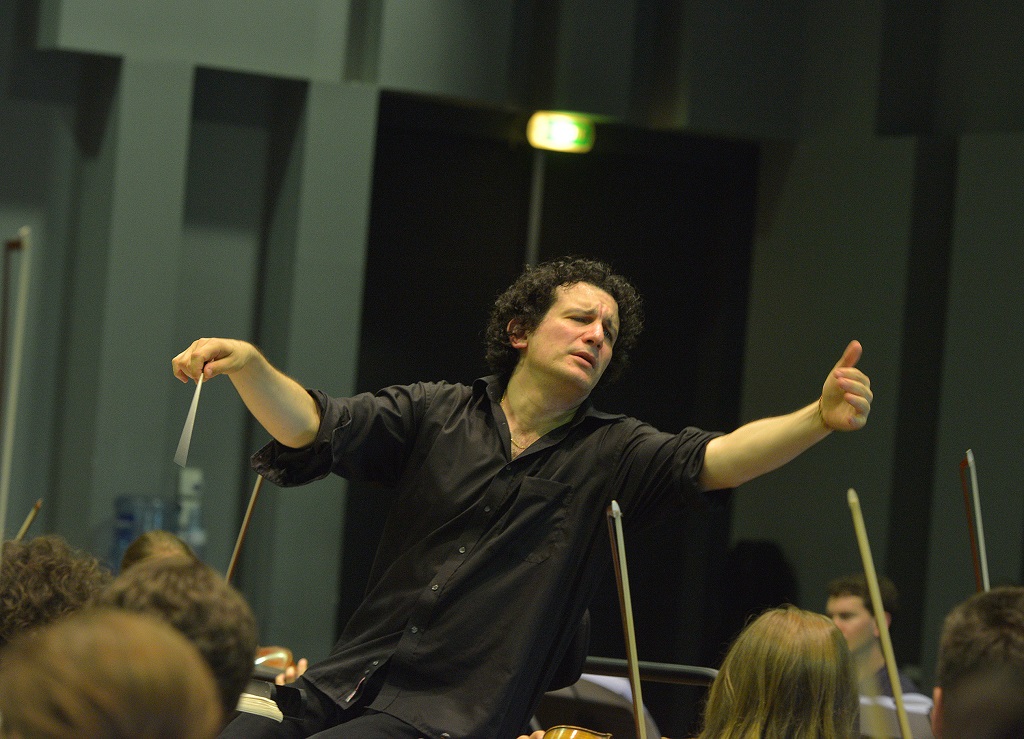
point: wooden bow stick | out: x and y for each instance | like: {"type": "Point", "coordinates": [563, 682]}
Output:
{"type": "Point", "coordinates": [245, 527]}
{"type": "Point", "coordinates": [28, 520]}
{"type": "Point", "coordinates": [977, 543]}
{"type": "Point", "coordinates": [879, 612]}
{"type": "Point", "coordinates": [626, 606]}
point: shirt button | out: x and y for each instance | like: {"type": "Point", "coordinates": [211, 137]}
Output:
{"type": "Point", "coordinates": [434, 586]}
{"type": "Point", "coordinates": [415, 629]}
{"type": "Point", "coordinates": [462, 550]}
{"type": "Point", "coordinates": [487, 509]}
{"type": "Point", "coordinates": [376, 662]}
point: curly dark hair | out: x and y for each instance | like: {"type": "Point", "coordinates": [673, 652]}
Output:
{"type": "Point", "coordinates": [528, 299]}
{"type": "Point", "coordinates": [202, 605]}
{"type": "Point", "coordinates": [43, 579]}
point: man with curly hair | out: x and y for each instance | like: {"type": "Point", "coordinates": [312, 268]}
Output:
{"type": "Point", "coordinates": [43, 579]}
{"type": "Point", "coordinates": [497, 539]}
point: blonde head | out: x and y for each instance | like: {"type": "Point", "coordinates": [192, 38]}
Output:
{"type": "Point", "coordinates": [788, 675]}
{"type": "Point", "coordinates": [107, 674]}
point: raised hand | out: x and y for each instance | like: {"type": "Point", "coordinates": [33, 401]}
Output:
{"type": "Point", "coordinates": [846, 395]}
{"type": "Point", "coordinates": [212, 357]}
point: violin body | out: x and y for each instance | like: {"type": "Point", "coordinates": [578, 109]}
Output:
{"type": "Point", "coordinates": [275, 658]}
{"type": "Point", "coordinates": [573, 732]}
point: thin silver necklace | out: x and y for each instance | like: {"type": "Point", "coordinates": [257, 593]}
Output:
{"type": "Point", "coordinates": [511, 438]}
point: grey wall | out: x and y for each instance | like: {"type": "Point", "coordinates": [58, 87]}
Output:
{"type": "Point", "coordinates": [892, 219]}
{"type": "Point", "coordinates": [191, 172]}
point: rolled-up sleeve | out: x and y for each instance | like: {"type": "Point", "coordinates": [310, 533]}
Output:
{"type": "Point", "coordinates": [287, 466]}
{"type": "Point", "coordinates": [365, 437]}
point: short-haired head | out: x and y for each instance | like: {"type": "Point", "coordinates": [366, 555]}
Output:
{"type": "Point", "coordinates": [788, 674]}
{"type": "Point", "coordinates": [106, 674]}
{"type": "Point", "coordinates": [42, 579]}
{"type": "Point", "coordinates": [155, 543]}
{"type": "Point", "coordinates": [857, 585]}
{"type": "Point", "coordinates": [203, 606]}
{"type": "Point", "coordinates": [988, 704]}
{"type": "Point", "coordinates": [527, 300]}
{"type": "Point", "coordinates": [983, 632]}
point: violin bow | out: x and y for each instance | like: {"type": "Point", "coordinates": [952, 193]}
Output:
{"type": "Point", "coordinates": [879, 612]}
{"type": "Point", "coordinates": [10, 410]}
{"type": "Point", "coordinates": [977, 543]}
{"type": "Point", "coordinates": [625, 605]}
{"type": "Point", "coordinates": [245, 527]}
{"type": "Point", "coordinates": [28, 520]}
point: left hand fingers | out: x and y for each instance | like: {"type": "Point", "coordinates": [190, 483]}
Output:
{"type": "Point", "coordinates": [860, 404]}
{"type": "Point", "coordinates": [855, 383]}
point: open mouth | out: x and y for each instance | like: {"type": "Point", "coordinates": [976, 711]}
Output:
{"type": "Point", "coordinates": [586, 358]}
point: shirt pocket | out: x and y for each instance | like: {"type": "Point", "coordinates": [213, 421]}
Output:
{"type": "Point", "coordinates": [538, 519]}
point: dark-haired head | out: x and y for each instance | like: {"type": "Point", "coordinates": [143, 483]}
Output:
{"type": "Point", "coordinates": [857, 585]}
{"type": "Point", "coordinates": [528, 299]}
{"type": "Point", "coordinates": [980, 667]}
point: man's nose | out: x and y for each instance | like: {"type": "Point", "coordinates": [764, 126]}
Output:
{"type": "Point", "coordinates": [596, 334]}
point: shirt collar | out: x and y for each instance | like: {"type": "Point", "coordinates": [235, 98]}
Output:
{"type": "Point", "coordinates": [493, 386]}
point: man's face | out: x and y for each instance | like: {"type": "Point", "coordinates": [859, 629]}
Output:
{"type": "Point", "coordinates": [852, 617]}
{"type": "Point", "coordinates": [572, 344]}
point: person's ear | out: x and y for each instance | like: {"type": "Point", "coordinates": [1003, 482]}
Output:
{"type": "Point", "coordinates": [516, 334]}
{"type": "Point", "coordinates": [936, 717]}
{"type": "Point", "coordinates": [888, 623]}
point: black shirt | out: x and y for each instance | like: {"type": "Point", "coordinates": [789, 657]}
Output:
{"type": "Point", "coordinates": [486, 563]}
{"type": "Point", "coordinates": [885, 685]}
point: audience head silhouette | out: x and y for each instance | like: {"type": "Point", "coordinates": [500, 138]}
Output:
{"type": "Point", "coordinates": [979, 690]}
{"type": "Point", "coordinates": [106, 674]}
{"type": "Point", "coordinates": [42, 579]}
{"type": "Point", "coordinates": [202, 605]}
{"type": "Point", "coordinates": [788, 675]}
{"type": "Point", "coordinates": [154, 544]}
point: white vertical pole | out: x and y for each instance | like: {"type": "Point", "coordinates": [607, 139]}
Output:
{"type": "Point", "coordinates": [17, 349]}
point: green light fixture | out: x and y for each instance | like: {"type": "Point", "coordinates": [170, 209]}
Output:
{"type": "Point", "coordinates": [560, 131]}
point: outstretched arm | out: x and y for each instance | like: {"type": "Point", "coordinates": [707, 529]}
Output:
{"type": "Point", "coordinates": [762, 446]}
{"type": "Point", "coordinates": [279, 403]}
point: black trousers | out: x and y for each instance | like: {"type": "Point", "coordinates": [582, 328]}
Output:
{"type": "Point", "coordinates": [322, 719]}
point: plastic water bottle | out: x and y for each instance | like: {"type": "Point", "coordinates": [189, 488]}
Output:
{"type": "Point", "coordinates": [190, 510]}
{"type": "Point", "coordinates": [134, 515]}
